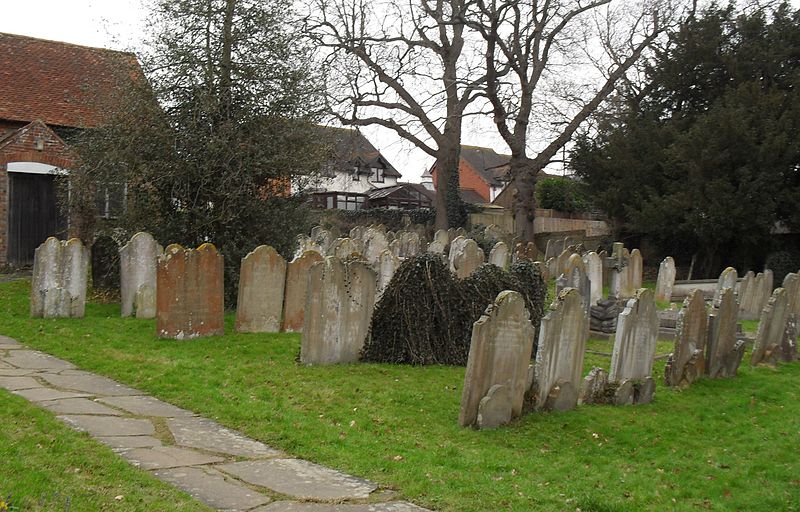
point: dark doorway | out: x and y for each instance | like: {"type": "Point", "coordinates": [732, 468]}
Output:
{"type": "Point", "coordinates": [32, 215]}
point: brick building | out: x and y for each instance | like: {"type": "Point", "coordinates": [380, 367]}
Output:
{"type": "Point", "coordinates": [49, 92]}
{"type": "Point", "coordinates": [482, 174]}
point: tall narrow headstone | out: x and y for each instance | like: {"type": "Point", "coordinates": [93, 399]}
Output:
{"type": "Point", "coordinates": [635, 349]}
{"type": "Point", "coordinates": [617, 265]}
{"type": "Point", "coordinates": [296, 291]}
{"type": "Point", "coordinates": [341, 297]}
{"type": "Point", "coordinates": [500, 350]}
{"type": "Point", "coordinates": [500, 255]}
{"type": "Point", "coordinates": [747, 295]}
{"type": "Point", "coordinates": [190, 293]}
{"type": "Point", "coordinates": [666, 280]}
{"type": "Point", "coordinates": [791, 283]}
{"type": "Point", "coordinates": [138, 267]}
{"type": "Point", "coordinates": [723, 352]}
{"type": "Point", "coordinates": [636, 268]}
{"type": "Point", "coordinates": [559, 355]}
{"type": "Point", "coordinates": [594, 269]}
{"type": "Point", "coordinates": [388, 264]}
{"type": "Point", "coordinates": [442, 236]}
{"type": "Point", "coordinates": [262, 279]}
{"type": "Point", "coordinates": [771, 330]}
{"type": "Point", "coordinates": [687, 361]}
{"type": "Point", "coordinates": [727, 279]}
{"type": "Point", "coordinates": [575, 276]}
{"type": "Point", "coordinates": [59, 280]}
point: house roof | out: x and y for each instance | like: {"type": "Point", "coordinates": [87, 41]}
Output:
{"type": "Point", "coordinates": [470, 196]}
{"type": "Point", "coordinates": [60, 83]}
{"type": "Point", "coordinates": [387, 191]}
{"type": "Point", "coordinates": [351, 148]}
{"type": "Point", "coordinates": [490, 165]}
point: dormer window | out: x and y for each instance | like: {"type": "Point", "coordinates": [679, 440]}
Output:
{"type": "Point", "coordinates": [377, 175]}
{"type": "Point", "coordinates": [356, 176]}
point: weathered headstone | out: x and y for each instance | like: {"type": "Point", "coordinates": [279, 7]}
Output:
{"type": "Point", "coordinates": [105, 263]}
{"type": "Point", "coordinates": [388, 264]}
{"type": "Point", "coordinates": [297, 275]}
{"type": "Point", "coordinates": [436, 247]}
{"type": "Point", "coordinates": [525, 251]}
{"type": "Point", "coordinates": [341, 297]}
{"type": "Point", "coordinates": [635, 350]}
{"type": "Point", "coordinates": [666, 280]}
{"type": "Point", "coordinates": [465, 257]}
{"type": "Point", "coordinates": [493, 232]}
{"type": "Point", "coordinates": [594, 388]}
{"type": "Point", "coordinates": [500, 350]}
{"type": "Point", "coordinates": [442, 236]}
{"type": "Point", "coordinates": [410, 244]}
{"type": "Point", "coordinates": [59, 279]}
{"type": "Point", "coordinates": [357, 232]}
{"type": "Point", "coordinates": [727, 279]}
{"type": "Point", "coordinates": [138, 261]}
{"type": "Point", "coordinates": [374, 244]}
{"type": "Point", "coordinates": [617, 264]}
{"type": "Point", "coordinates": [594, 269]}
{"type": "Point", "coordinates": [791, 283]}
{"type": "Point", "coordinates": [723, 352]}
{"type": "Point", "coordinates": [687, 361]}
{"type": "Point", "coordinates": [321, 239]}
{"type": "Point", "coordinates": [575, 276]}
{"type": "Point", "coordinates": [635, 268]}
{"type": "Point", "coordinates": [771, 330]}
{"type": "Point", "coordinates": [559, 356]}
{"type": "Point", "coordinates": [344, 248]}
{"type": "Point", "coordinates": [561, 262]}
{"type": "Point", "coordinates": [551, 265]}
{"type": "Point", "coordinates": [262, 279]}
{"type": "Point", "coordinates": [190, 293]}
{"type": "Point", "coordinates": [500, 255]}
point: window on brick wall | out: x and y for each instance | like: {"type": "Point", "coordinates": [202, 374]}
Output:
{"type": "Point", "coordinates": [110, 200]}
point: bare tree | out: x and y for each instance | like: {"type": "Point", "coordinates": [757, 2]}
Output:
{"type": "Point", "coordinates": [530, 44]}
{"type": "Point", "coordinates": [407, 67]}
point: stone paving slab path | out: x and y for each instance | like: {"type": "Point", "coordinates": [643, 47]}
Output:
{"type": "Point", "coordinates": [218, 466]}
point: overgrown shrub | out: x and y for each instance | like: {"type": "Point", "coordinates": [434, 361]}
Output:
{"type": "Point", "coordinates": [782, 263]}
{"type": "Point", "coordinates": [426, 314]}
{"type": "Point", "coordinates": [391, 218]}
{"type": "Point", "coordinates": [562, 194]}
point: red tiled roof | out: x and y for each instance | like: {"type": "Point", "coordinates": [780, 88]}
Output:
{"type": "Point", "coordinates": [60, 83]}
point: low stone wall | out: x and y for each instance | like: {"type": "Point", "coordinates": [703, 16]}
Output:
{"type": "Point", "coordinates": [546, 221]}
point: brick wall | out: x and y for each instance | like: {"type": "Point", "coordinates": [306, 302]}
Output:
{"type": "Point", "coordinates": [468, 179]}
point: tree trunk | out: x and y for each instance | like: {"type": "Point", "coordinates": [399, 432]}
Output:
{"type": "Point", "coordinates": [524, 207]}
{"type": "Point", "coordinates": [448, 155]}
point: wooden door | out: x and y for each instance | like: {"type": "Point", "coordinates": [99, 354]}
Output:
{"type": "Point", "coordinates": [32, 215]}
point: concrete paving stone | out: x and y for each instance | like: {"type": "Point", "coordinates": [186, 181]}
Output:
{"type": "Point", "coordinates": [209, 435]}
{"type": "Point", "coordinates": [9, 343]}
{"type": "Point", "coordinates": [300, 479]}
{"type": "Point", "coordinates": [294, 506]}
{"type": "Point", "coordinates": [5, 366]}
{"type": "Point", "coordinates": [109, 426]}
{"type": "Point", "coordinates": [94, 384]}
{"type": "Point", "coordinates": [80, 406]}
{"type": "Point", "coordinates": [36, 360]}
{"type": "Point", "coordinates": [211, 487]}
{"type": "Point", "coordinates": [129, 442]}
{"type": "Point", "coordinates": [146, 406]}
{"type": "Point", "coordinates": [17, 372]}
{"type": "Point", "coordinates": [163, 457]}
{"type": "Point", "coordinates": [42, 394]}
{"type": "Point", "coordinates": [16, 383]}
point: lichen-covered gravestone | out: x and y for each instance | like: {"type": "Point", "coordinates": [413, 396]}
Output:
{"type": "Point", "coordinates": [791, 283]}
{"type": "Point", "coordinates": [575, 276]}
{"type": "Point", "coordinates": [262, 279]}
{"type": "Point", "coordinates": [500, 350]}
{"type": "Point", "coordinates": [559, 356]}
{"type": "Point", "coordinates": [723, 352]}
{"type": "Point", "coordinates": [594, 270]}
{"type": "Point", "coordinates": [500, 256]}
{"type": "Point", "coordinates": [138, 260]}
{"type": "Point", "coordinates": [666, 280]}
{"type": "Point", "coordinates": [727, 279]}
{"type": "Point", "coordinates": [296, 291]}
{"type": "Point", "coordinates": [687, 361]}
{"type": "Point", "coordinates": [771, 330]}
{"type": "Point", "coordinates": [59, 279]}
{"type": "Point", "coordinates": [341, 297]}
{"type": "Point", "coordinates": [634, 350]}
{"type": "Point", "coordinates": [465, 257]}
{"type": "Point", "coordinates": [346, 248]}
{"type": "Point", "coordinates": [190, 293]}
{"type": "Point", "coordinates": [525, 252]}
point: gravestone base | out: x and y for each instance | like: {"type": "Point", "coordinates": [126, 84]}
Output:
{"type": "Point", "coordinates": [495, 408]}
{"type": "Point", "coordinates": [563, 397]}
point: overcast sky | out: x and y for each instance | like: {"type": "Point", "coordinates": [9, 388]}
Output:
{"type": "Point", "coordinates": [118, 24]}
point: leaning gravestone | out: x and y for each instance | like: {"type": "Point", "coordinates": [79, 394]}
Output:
{"type": "Point", "coordinates": [500, 350]}
{"type": "Point", "coordinates": [138, 261]}
{"type": "Point", "coordinates": [190, 293]}
{"type": "Point", "coordinates": [746, 295]}
{"type": "Point", "coordinates": [499, 256]}
{"type": "Point", "coordinates": [59, 279]}
{"type": "Point", "coordinates": [388, 264]}
{"type": "Point", "coordinates": [341, 297]}
{"type": "Point", "coordinates": [559, 356]}
{"type": "Point", "coordinates": [666, 280]}
{"type": "Point", "coordinates": [296, 290]}
{"type": "Point", "coordinates": [465, 257]}
{"type": "Point", "coordinates": [635, 349]}
{"type": "Point", "coordinates": [723, 352]}
{"type": "Point", "coordinates": [262, 279]}
{"type": "Point", "coordinates": [771, 330]}
{"type": "Point", "coordinates": [594, 269]}
{"type": "Point", "coordinates": [791, 283]}
{"type": "Point", "coordinates": [687, 361]}
{"type": "Point", "coordinates": [727, 279]}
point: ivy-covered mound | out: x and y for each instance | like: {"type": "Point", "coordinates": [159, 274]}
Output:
{"type": "Point", "coordinates": [426, 313]}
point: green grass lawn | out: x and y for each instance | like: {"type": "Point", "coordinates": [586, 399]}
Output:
{"type": "Point", "coordinates": [719, 445]}
{"type": "Point", "coordinates": [46, 466]}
